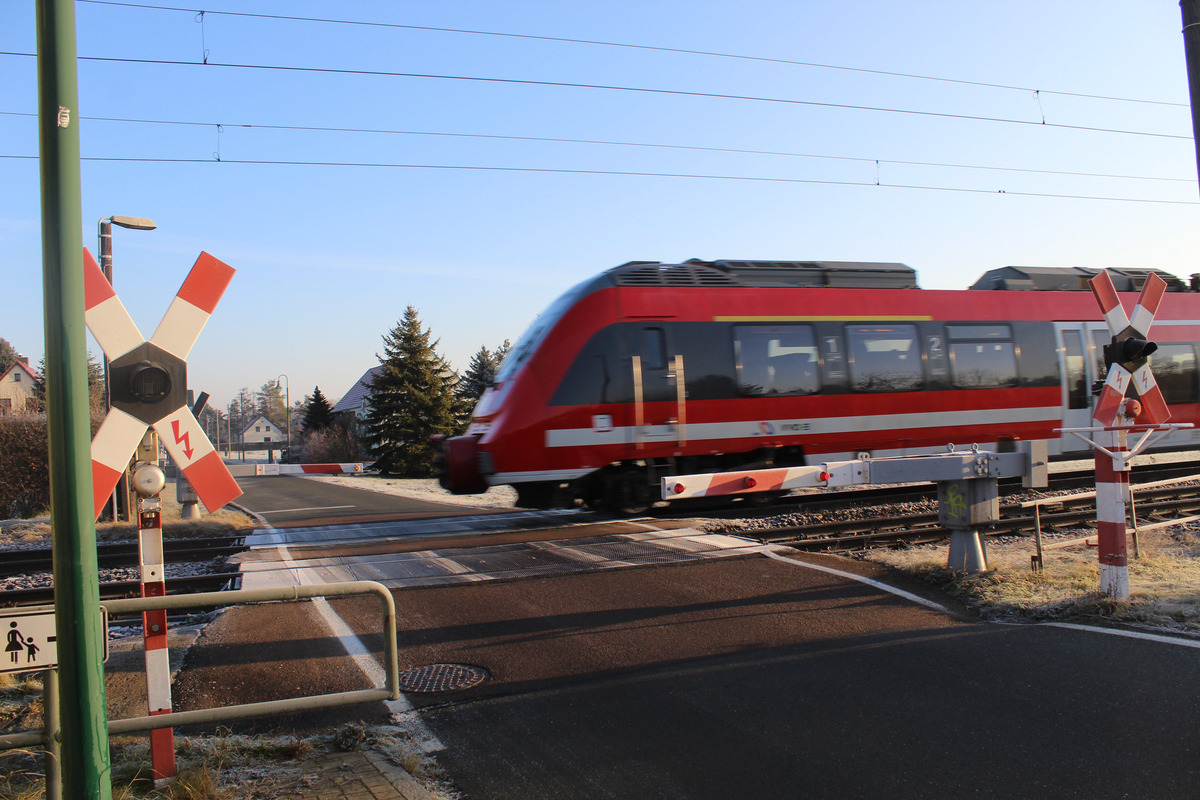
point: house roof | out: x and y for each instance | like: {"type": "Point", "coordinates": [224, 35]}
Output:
{"type": "Point", "coordinates": [23, 366]}
{"type": "Point", "coordinates": [352, 400]}
{"type": "Point", "coordinates": [256, 418]}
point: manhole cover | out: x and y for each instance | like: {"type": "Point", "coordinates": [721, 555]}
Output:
{"type": "Point", "coordinates": [442, 678]}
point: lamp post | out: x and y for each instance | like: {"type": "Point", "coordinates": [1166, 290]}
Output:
{"type": "Point", "coordinates": [287, 387]}
{"type": "Point", "coordinates": [106, 223]}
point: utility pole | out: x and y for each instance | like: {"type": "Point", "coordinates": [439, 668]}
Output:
{"type": "Point", "coordinates": [1191, 48]}
{"type": "Point", "coordinates": [84, 724]}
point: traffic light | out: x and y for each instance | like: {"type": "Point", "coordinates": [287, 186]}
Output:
{"type": "Point", "coordinates": [1131, 353]}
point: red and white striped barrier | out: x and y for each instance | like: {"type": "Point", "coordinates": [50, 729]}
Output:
{"type": "Point", "coordinates": [683, 487]}
{"type": "Point", "coordinates": [257, 470]}
{"type": "Point", "coordinates": [779, 479]}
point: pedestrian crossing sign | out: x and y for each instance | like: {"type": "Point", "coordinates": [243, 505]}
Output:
{"type": "Point", "coordinates": [31, 641]}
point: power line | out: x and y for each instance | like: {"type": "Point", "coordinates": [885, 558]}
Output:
{"type": "Point", "coordinates": [617, 88]}
{"type": "Point", "coordinates": [613, 143]}
{"type": "Point", "coordinates": [616, 173]}
{"type": "Point", "coordinates": [630, 46]}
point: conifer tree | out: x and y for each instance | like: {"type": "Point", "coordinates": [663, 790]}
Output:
{"type": "Point", "coordinates": [411, 399]}
{"type": "Point", "coordinates": [95, 384]}
{"type": "Point", "coordinates": [318, 413]}
{"type": "Point", "coordinates": [479, 375]}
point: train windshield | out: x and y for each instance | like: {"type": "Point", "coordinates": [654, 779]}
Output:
{"type": "Point", "coordinates": [537, 331]}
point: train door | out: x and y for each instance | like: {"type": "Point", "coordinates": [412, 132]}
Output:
{"type": "Point", "coordinates": [659, 400]}
{"type": "Point", "coordinates": [1080, 371]}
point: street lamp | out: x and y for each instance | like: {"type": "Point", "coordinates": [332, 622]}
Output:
{"type": "Point", "coordinates": [133, 223]}
{"type": "Point", "coordinates": [136, 224]}
{"type": "Point", "coordinates": [287, 387]}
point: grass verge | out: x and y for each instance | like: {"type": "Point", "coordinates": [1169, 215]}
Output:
{"type": "Point", "coordinates": [231, 767]}
{"type": "Point", "coordinates": [1164, 582]}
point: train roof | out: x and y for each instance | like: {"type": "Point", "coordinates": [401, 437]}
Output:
{"type": "Point", "coordinates": [1070, 279]}
{"type": "Point", "coordinates": [861, 275]}
{"type": "Point", "coordinates": [725, 272]}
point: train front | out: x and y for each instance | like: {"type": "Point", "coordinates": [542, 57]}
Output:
{"type": "Point", "coordinates": [506, 440]}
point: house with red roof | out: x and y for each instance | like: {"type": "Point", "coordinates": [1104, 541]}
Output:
{"type": "Point", "coordinates": [18, 389]}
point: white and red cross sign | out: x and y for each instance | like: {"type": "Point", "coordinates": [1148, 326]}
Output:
{"type": "Point", "coordinates": [1123, 327]}
{"type": "Point", "coordinates": [158, 370]}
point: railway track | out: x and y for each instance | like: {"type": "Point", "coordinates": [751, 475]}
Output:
{"type": "Point", "coordinates": [111, 590]}
{"type": "Point", "coordinates": [814, 521]}
{"type": "Point", "coordinates": [921, 527]}
{"type": "Point", "coordinates": [125, 554]}
{"type": "Point", "coordinates": [121, 555]}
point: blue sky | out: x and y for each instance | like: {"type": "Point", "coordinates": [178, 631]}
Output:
{"type": "Point", "coordinates": [328, 257]}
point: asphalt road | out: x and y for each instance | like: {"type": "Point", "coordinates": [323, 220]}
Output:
{"type": "Point", "coordinates": [761, 678]}
{"type": "Point", "coordinates": [286, 501]}
{"type": "Point", "coordinates": [738, 677]}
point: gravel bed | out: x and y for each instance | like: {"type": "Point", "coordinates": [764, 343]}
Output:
{"type": "Point", "coordinates": [798, 519]}
{"type": "Point", "coordinates": [41, 580]}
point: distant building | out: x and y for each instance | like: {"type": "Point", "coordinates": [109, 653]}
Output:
{"type": "Point", "coordinates": [262, 429]}
{"type": "Point", "coordinates": [18, 392]}
{"type": "Point", "coordinates": [356, 402]}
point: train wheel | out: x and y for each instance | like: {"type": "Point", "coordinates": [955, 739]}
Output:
{"type": "Point", "coordinates": [629, 496]}
{"type": "Point", "coordinates": [540, 496]}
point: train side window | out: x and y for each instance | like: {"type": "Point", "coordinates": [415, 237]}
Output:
{"type": "Point", "coordinates": [776, 359]}
{"type": "Point", "coordinates": [1174, 367]}
{"type": "Point", "coordinates": [835, 360]}
{"type": "Point", "coordinates": [884, 358]}
{"type": "Point", "coordinates": [982, 356]}
{"type": "Point", "coordinates": [654, 348]}
{"type": "Point", "coordinates": [1076, 367]}
{"type": "Point", "coordinates": [1101, 338]}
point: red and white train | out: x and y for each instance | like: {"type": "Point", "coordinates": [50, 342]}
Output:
{"type": "Point", "coordinates": [653, 369]}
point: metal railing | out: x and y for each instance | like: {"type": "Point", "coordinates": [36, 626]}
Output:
{"type": "Point", "coordinates": [48, 736]}
{"type": "Point", "coordinates": [1036, 560]}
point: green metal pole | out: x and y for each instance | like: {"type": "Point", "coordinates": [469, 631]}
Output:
{"type": "Point", "coordinates": [85, 760]}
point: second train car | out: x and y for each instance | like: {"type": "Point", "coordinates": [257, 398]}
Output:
{"type": "Point", "coordinates": [651, 369]}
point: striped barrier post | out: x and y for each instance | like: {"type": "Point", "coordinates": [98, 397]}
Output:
{"type": "Point", "coordinates": [1112, 496]}
{"type": "Point", "coordinates": [148, 382]}
{"type": "Point", "coordinates": [149, 481]}
{"type": "Point", "coordinates": [1113, 413]}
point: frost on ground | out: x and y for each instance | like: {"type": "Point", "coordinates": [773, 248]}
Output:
{"type": "Point", "coordinates": [423, 489]}
{"type": "Point", "coordinates": [1164, 580]}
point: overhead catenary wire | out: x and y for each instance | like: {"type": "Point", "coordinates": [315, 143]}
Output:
{"type": "Point", "coordinates": [614, 88]}
{"type": "Point", "coordinates": [607, 87]}
{"type": "Point", "coordinates": [632, 46]}
{"type": "Point", "coordinates": [612, 143]}
{"type": "Point", "coordinates": [620, 173]}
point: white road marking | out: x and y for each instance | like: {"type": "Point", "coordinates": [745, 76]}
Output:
{"type": "Point", "coordinates": [1149, 637]}
{"type": "Point", "coordinates": [294, 510]}
{"type": "Point", "coordinates": [402, 712]}
{"type": "Point", "coordinates": [868, 581]}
